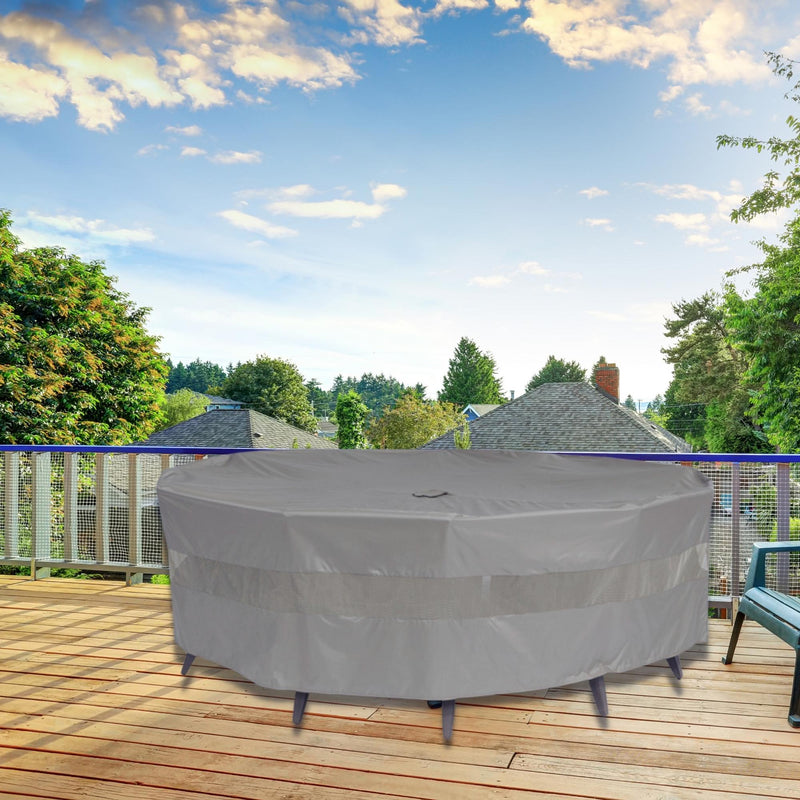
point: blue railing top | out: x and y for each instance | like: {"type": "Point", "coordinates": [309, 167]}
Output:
{"type": "Point", "coordinates": [739, 458]}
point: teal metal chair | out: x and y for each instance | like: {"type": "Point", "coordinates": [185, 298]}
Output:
{"type": "Point", "coordinates": [777, 612]}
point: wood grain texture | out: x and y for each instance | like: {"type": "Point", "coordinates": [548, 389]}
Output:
{"type": "Point", "coordinates": [92, 704]}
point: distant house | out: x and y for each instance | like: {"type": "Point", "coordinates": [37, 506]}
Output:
{"type": "Point", "coordinates": [241, 427]}
{"type": "Point", "coordinates": [475, 410]}
{"type": "Point", "coordinates": [567, 417]}
{"type": "Point", "coordinates": [221, 403]}
{"type": "Point", "coordinates": [327, 428]}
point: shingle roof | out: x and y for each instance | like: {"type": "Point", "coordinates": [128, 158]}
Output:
{"type": "Point", "coordinates": [240, 427]}
{"type": "Point", "coordinates": [566, 417]}
{"type": "Point", "coordinates": [224, 401]}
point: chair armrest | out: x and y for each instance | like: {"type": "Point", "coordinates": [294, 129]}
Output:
{"type": "Point", "coordinates": [756, 574]}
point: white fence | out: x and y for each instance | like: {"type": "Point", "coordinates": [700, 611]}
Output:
{"type": "Point", "coordinates": [97, 509]}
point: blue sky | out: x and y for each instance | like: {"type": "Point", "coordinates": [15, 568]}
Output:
{"type": "Point", "coordinates": [355, 185]}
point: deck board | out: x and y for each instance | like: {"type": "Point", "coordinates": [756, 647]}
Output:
{"type": "Point", "coordinates": [92, 704]}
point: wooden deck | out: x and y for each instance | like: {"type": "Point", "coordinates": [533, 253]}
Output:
{"type": "Point", "coordinates": [92, 705]}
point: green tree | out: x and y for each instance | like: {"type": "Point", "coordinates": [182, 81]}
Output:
{"type": "Point", "coordinates": [77, 365]}
{"type": "Point", "coordinates": [197, 375]}
{"type": "Point", "coordinates": [351, 416]}
{"type": "Point", "coordinates": [181, 405]}
{"type": "Point", "coordinates": [556, 370]}
{"type": "Point", "coordinates": [470, 377]}
{"type": "Point", "coordinates": [377, 391]}
{"type": "Point", "coordinates": [708, 370]}
{"type": "Point", "coordinates": [273, 387]}
{"type": "Point", "coordinates": [320, 399]}
{"type": "Point", "coordinates": [630, 403]}
{"type": "Point", "coordinates": [766, 329]}
{"type": "Point", "coordinates": [413, 422]}
{"type": "Point", "coordinates": [777, 191]}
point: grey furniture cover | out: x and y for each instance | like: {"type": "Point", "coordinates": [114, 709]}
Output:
{"type": "Point", "coordinates": [434, 574]}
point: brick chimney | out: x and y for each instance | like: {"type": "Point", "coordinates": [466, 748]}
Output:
{"type": "Point", "coordinates": [606, 379]}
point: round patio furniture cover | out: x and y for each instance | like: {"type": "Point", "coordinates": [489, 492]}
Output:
{"type": "Point", "coordinates": [434, 574]}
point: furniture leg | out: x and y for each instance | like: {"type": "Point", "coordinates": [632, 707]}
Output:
{"type": "Point", "coordinates": [598, 687]}
{"type": "Point", "coordinates": [737, 629]}
{"type": "Point", "coordinates": [300, 700]}
{"type": "Point", "coordinates": [675, 666]}
{"type": "Point", "coordinates": [187, 662]}
{"type": "Point", "coordinates": [434, 703]}
{"type": "Point", "coordinates": [448, 716]}
{"type": "Point", "coordinates": [794, 703]}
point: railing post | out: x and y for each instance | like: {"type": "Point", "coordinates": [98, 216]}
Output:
{"type": "Point", "coordinates": [70, 506]}
{"type": "Point", "coordinates": [101, 524]}
{"type": "Point", "coordinates": [166, 463]}
{"type": "Point", "coordinates": [11, 504]}
{"type": "Point", "coordinates": [41, 511]}
{"type": "Point", "coordinates": [736, 526]}
{"type": "Point", "coordinates": [134, 518]}
{"type": "Point", "coordinates": [783, 525]}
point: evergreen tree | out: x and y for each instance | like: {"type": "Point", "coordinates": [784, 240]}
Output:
{"type": "Point", "coordinates": [470, 377]}
{"type": "Point", "coordinates": [557, 371]}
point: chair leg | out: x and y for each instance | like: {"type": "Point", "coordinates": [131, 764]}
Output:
{"type": "Point", "coordinates": [598, 687]}
{"type": "Point", "coordinates": [737, 629]}
{"type": "Point", "coordinates": [187, 662]}
{"type": "Point", "coordinates": [794, 703]}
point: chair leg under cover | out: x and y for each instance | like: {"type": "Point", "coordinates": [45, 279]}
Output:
{"type": "Point", "coordinates": [598, 687]}
{"type": "Point", "coordinates": [187, 662]}
{"type": "Point", "coordinates": [300, 700]}
{"type": "Point", "coordinates": [675, 666]}
{"type": "Point", "coordinates": [448, 716]}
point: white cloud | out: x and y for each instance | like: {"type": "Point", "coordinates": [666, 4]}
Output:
{"type": "Point", "coordinates": [97, 230]}
{"type": "Point", "coordinates": [531, 268]}
{"type": "Point", "coordinates": [490, 281]}
{"type": "Point", "coordinates": [29, 95]}
{"type": "Point", "coordinates": [328, 209]}
{"type": "Point", "coordinates": [150, 149]}
{"type": "Point", "coordinates": [701, 41]}
{"type": "Point", "coordinates": [192, 152]}
{"type": "Point", "coordinates": [188, 130]}
{"type": "Point", "coordinates": [692, 222]}
{"type": "Point", "coordinates": [387, 191]}
{"type": "Point", "coordinates": [592, 192]}
{"type": "Point", "coordinates": [94, 81]}
{"type": "Point", "coordinates": [637, 313]}
{"type": "Point", "coordinates": [248, 222]}
{"type": "Point", "coordinates": [443, 6]}
{"type": "Point", "coordinates": [298, 190]}
{"type": "Point", "coordinates": [670, 94]}
{"type": "Point", "coordinates": [385, 22]}
{"type": "Point", "coordinates": [695, 105]}
{"type": "Point", "coordinates": [594, 222]}
{"type": "Point", "coordinates": [701, 240]}
{"type": "Point", "coordinates": [236, 157]}
{"type": "Point", "coordinates": [507, 5]}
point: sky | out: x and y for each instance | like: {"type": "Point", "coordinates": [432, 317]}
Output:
{"type": "Point", "coordinates": [354, 186]}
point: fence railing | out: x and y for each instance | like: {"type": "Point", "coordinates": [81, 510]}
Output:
{"type": "Point", "coordinates": [96, 508]}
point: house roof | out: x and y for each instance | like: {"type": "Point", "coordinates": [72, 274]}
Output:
{"type": "Point", "coordinates": [240, 427]}
{"type": "Point", "coordinates": [221, 401]}
{"type": "Point", "coordinates": [566, 417]}
{"type": "Point", "coordinates": [482, 408]}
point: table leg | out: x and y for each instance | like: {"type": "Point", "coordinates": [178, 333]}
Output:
{"type": "Point", "coordinates": [598, 687]}
{"type": "Point", "coordinates": [187, 662]}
